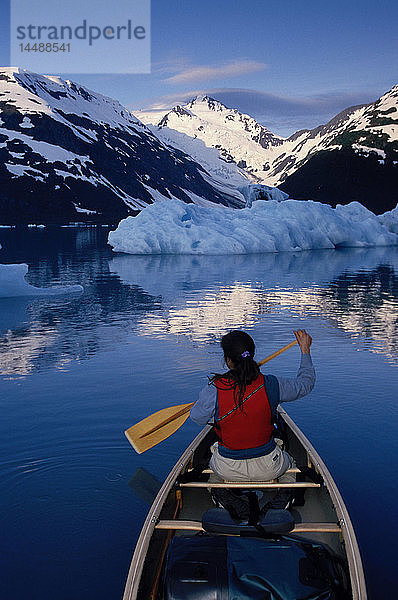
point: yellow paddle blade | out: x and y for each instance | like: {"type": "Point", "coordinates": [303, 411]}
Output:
{"type": "Point", "coordinates": [157, 427]}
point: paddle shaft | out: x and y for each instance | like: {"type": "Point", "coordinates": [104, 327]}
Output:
{"type": "Point", "coordinates": [277, 353]}
{"type": "Point", "coordinates": [188, 408]}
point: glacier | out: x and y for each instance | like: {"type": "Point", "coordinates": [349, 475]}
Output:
{"type": "Point", "coordinates": [174, 227]}
{"type": "Point", "coordinates": [13, 284]}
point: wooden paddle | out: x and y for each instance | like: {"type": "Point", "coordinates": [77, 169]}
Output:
{"type": "Point", "coordinates": [163, 423]}
{"type": "Point", "coordinates": [277, 353]}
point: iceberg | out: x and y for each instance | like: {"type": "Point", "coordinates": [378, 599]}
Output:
{"type": "Point", "coordinates": [253, 192]}
{"type": "Point", "coordinates": [13, 283]}
{"type": "Point", "coordinates": [390, 220]}
{"type": "Point", "coordinates": [174, 227]}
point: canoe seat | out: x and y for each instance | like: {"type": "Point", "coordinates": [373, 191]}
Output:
{"type": "Point", "coordinates": [218, 520]}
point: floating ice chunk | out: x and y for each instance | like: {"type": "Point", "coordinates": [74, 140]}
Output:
{"type": "Point", "coordinates": [13, 283]}
{"type": "Point", "coordinates": [173, 227]}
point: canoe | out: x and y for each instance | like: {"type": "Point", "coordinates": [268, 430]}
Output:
{"type": "Point", "coordinates": [184, 532]}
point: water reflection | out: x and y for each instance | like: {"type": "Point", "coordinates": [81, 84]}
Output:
{"type": "Point", "coordinates": [200, 297]}
{"type": "Point", "coordinates": [172, 276]}
{"type": "Point", "coordinates": [209, 315]}
{"type": "Point", "coordinates": [55, 332]}
{"type": "Point", "coordinates": [353, 290]}
{"type": "Point", "coordinates": [366, 303]}
{"type": "Point", "coordinates": [49, 332]}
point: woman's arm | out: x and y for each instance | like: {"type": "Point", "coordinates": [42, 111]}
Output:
{"type": "Point", "coordinates": [302, 384]}
{"type": "Point", "coordinates": [204, 408]}
{"type": "Point", "coordinates": [292, 388]}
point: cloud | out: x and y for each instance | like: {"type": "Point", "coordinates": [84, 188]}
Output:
{"type": "Point", "coordinates": [281, 114]}
{"type": "Point", "coordinates": [171, 64]}
{"type": "Point", "coordinates": [263, 104]}
{"type": "Point", "coordinates": [206, 72]}
{"type": "Point", "coordinates": [260, 104]}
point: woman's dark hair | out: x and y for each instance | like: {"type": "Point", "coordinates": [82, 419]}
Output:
{"type": "Point", "coordinates": [239, 347]}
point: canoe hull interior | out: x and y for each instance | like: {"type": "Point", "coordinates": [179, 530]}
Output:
{"type": "Point", "coordinates": [319, 513]}
{"type": "Point", "coordinates": [277, 568]}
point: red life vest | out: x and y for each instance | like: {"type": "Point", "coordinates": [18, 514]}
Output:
{"type": "Point", "coordinates": [247, 429]}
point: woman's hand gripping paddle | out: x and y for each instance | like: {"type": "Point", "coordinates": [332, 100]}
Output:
{"type": "Point", "coordinates": [163, 423]}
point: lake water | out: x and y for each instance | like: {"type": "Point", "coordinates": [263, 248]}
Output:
{"type": "Point", "coordinates": [76, 371]}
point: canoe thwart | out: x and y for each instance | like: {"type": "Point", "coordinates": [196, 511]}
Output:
{"type": "Point", "coordinates": [292, 470]}
{"type": "Point", "coordinates": [177, 525]}
{"type": "Point", "coordinates": [249, 484]}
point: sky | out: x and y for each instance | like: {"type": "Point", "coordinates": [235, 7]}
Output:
{"type": "Point", "coordinates": [291, 64]}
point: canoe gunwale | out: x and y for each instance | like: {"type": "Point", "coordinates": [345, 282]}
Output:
{"type": "Point", "coordinates": [137, 563]}
{"type": "Point", "coordinates": [357, 576]}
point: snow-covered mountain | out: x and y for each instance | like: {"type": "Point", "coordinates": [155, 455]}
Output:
{"type": "Point", "coordinates": [237, 137]}
{"type": "Point", "coordinates": [70, 154]}
{"type": "Point", "coordinates": [352, 157]}
{"type": "Point", "coordinates": [366, 128]}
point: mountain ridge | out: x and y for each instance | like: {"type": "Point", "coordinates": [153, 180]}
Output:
{"type": "Point", "coordinates": [360, 132]}
{"type": "Point", "coordinates": [68, 153]}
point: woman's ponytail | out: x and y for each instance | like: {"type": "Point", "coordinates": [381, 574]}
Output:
{"type": "Point", "coordinates": [239, 347]}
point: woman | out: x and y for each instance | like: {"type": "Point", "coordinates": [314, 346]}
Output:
{"type": "Point", "coordinates": [242, 403]}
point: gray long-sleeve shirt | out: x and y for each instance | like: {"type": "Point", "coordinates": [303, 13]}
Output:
{"type": "Point", "coordinates": [289, 389]}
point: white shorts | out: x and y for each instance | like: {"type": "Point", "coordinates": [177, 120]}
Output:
{"type": "Point", "coordinates": [262, 468]}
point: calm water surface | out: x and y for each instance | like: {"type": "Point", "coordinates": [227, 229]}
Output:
{"type": "Point", "coordinates": [75, 371]}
